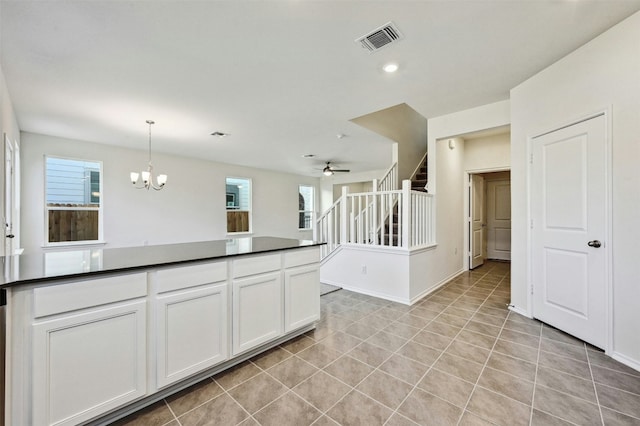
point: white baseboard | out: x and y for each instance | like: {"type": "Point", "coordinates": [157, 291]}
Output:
{"type": "Point", "coordinates": [626, 360]}
{"type": "Point", "coordinates": [333, 283]}
{"type": "Point", "coordinates": [519, 311]}
{"type": "Point", "coordinates": [435, 287]}
{"type": "Point", "coordinates": [367, 292]}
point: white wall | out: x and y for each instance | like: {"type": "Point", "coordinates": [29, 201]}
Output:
{"type": "Point", "coordinates": [327, 184]}
{"type": "Point", "coordinates": [190, 208]}
{"type": "Point", "coordinates": [405, 126]}
{"type": "Point", "coordinates": [487, 153]}
{"type": "Point", "coordinates": [604, 73]}
{"type": "Point", "coordinates": [446, 179]}
{"type": "Point", "coordinates": [459, 123]}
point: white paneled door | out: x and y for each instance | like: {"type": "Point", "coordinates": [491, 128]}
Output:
{"type": "Point", "coordinates": [499, 220]}
{"type": "Point", "coordinates": [568, 210]}
{"type": "Point", "coordinates": [476, 222]}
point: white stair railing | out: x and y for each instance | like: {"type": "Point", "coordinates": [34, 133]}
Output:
{"type": "Point", "coordinates": [327, 229]}
{"type": "Point", "coordinates": [389, 181]}
{"type": "Point", "coordinates": [395, 218]}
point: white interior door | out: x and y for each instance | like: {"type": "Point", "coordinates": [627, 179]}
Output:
{"type": "Point", "coordinates": [8, 196]}
{"type": "Point", "coordinates": [499, 220]}
{"type": "Point", "coordinates": [568, 208]}
{"type": "Point", "coordinates": [476, 222]}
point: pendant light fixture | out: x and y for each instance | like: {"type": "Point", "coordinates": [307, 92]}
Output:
{"type": "Point", "coordinates": [147, 176]}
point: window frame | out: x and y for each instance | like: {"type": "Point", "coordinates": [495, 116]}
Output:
{"type": "Point", "coordinates": [311, 211]}
{"type": "Point", "coordinates": [99, 208]}
{"type": "Point", "coordinates": [250, 209]}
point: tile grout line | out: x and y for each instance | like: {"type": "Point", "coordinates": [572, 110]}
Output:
{"type": "Point", "coordinates": [595, 389]}
{"type": "Point", "coordinates": [484, 366]}
{"type": "Point", "coordinates": [447, 347]}
{"type": "Point", "coordinates": [172, 412]}
{"type": "Point", "coordinates": [224, 391]}
{"type": "Point", "coordinates": [353, 388]}
{"type": "Point", "coordinates": [430, 367]}
{"type": "Point", "coordinates": [535, 377]}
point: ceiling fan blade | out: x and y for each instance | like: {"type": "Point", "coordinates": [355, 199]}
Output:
{"type": "Point", "coordinates": [340, 171]}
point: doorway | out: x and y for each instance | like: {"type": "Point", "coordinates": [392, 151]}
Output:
{"type": "Point", "coordinates": [488, 218]}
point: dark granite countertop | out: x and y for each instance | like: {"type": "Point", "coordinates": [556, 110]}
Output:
{"type": "Point", "coordinates": [69, 263]}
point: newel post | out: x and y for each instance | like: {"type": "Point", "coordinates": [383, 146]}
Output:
{"type": "Point", "coordinates": [344, 218]}
{"type": "Point", "coordinates": [406, 213]}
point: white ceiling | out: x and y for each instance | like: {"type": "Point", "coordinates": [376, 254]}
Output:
{"type": "Point", "coordinates": [282, 77]}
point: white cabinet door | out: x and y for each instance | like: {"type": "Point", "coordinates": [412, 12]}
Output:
{"type": "Point", "coordinates": [476, 222]}
{"type": "Point", "coordinates": [87, 363]}
{"type": "Point", "coordinates": [301, 296]}
{"type": "Point", "coordinates": [257, 310]}
{"type": "Point", "coordinates": [192, 331]}
{"type": "Point", "coordinates": [499, 220]}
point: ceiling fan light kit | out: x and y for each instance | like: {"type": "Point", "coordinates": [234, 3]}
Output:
{"type": "Point", "coordinates": [329, 171]}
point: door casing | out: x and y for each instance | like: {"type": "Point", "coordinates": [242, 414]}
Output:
{"type": "Point", "coordinates": [466, 190]}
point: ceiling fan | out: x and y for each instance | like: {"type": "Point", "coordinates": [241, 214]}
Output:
{"type": "Point", "coordinates": [329, 170]}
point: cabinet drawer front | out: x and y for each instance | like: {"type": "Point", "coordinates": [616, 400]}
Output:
{"type": "Point", "coordinates": [256, 265]}
{"type": "Point", "coordinates": [301, 257]}
{"type": "Point", "coordinates": [59, 298]}
{"type": "Point", "coordinates": [192, 275]}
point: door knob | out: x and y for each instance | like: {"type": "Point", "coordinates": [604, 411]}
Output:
{"type": "Point", "coordinates": [10, 236]}
{"type": "Point", "coordinates": [594, 243]}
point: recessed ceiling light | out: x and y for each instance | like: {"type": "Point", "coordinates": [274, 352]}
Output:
{"type": "Point", "coordinates": [308, 155]}
{"type": "Point", "coordinates": [391, 67]}
{"type": "Point", "coordinates": [220, 134]}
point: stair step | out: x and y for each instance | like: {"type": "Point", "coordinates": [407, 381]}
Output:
{"type": "Point", "coordinates": [394, 242]}
{"type": "Point", "coordinates": [421, 176]}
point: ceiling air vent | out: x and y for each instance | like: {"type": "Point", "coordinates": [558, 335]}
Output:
{"type": "Point", "coordinates": [380, 37]}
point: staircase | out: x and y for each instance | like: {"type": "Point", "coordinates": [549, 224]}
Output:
{"type": "Point", "coordinates": [418, 183]}
{"type": "Point", "coordinates": [388, 217]}
{"type": "Point", "coordinates": [419, 180]}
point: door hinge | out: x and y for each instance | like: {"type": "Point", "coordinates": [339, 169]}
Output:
{"type": "Point", "coordinates": [531, 158]}
{"type": "Point", "coordinates": [531, 288]}
{"type": "Point", "coordinates": [531, 224]}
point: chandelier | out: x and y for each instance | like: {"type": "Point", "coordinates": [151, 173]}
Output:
{"type": "Point", "coordinates": [147, 175]}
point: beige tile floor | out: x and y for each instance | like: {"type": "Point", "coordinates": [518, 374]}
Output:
{"type": "Point", "coordinates": [458, 357]}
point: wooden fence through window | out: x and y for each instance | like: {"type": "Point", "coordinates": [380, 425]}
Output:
{"type": "Point", "coordinates": [72, 225]}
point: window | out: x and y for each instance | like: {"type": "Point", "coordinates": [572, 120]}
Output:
{"type": "Point", "coordinates": [305, 207]}
{"type": "Point", "coordinates": [73, 200]}
{"type": "Point", "coordinates": [238, 203]}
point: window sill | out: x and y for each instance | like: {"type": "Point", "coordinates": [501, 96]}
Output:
{"type": "Point", "coordinates": [238, 234]}
{"type": "Point", "coordinates": [73, 244]}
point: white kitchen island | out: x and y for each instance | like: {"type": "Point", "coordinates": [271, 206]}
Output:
{"type": "Point", "coordinates": [93, 335]}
